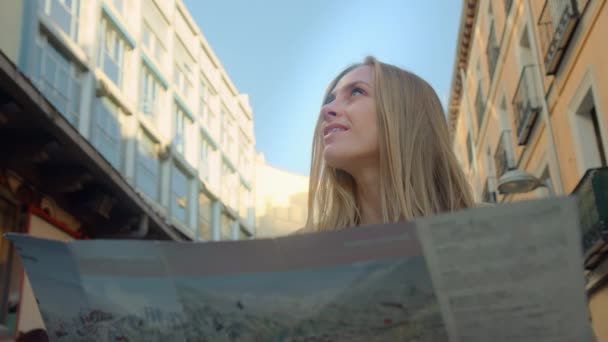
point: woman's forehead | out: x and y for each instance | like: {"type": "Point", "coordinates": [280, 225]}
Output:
{"type": "Point", "coordinates": [361, 73]}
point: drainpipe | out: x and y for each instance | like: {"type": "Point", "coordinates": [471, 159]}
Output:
{"type": "Point", "coordinates": [545, 112]}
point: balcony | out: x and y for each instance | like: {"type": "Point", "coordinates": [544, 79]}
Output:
{"type": "Point", "coordinates": [503, 159]}
{"type": "Point", "coordinates": [592, 199]}
{"type": "Point", "coordinates": [526, 103]}
{"type": "Point", "coordinates": [556, 23]}
{"type": "Point", "coordinates": [492, 51]}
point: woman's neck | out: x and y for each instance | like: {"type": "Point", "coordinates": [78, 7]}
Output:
{"type": "Point", "coordinates": [368, 195]}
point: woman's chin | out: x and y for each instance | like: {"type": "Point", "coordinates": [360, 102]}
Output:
{"type": "Point", "coordinates": [334, 157]}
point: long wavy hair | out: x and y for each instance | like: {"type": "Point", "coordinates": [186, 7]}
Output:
{"type": "Point", "coordinates": [419, 174]}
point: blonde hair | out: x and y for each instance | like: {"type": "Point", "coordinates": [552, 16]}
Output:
{"type": "Point", "coordinates": [419, 174]}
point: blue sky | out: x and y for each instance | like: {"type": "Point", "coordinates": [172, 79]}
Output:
{"type": "Point", "coordinates": [284, 54]}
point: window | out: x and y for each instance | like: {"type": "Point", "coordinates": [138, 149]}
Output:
{"type": "Point", "coordinates": [111, 52]}
{"type": "Point", "coordinates": [153, 44]}
{"type": "Point", "coordinates": [470, 150]}
{"type": "Point", "coordinates": [204, 162]}
{"type": "Point", "coordinates": [182, 80]}
{"type": "Point", "coordinates": [227, 134]}
{"type": "Point", "coordinates": [148, 167]}
{"type": "Point", "coordinates": [180, 126]}
{"type": "Point", "coordinates": [183, 76]}
{"type": "Point", "coordinates": [203, 104]}
{"type": "Point", "coordinates": [59, 80]}
{"type": "Point", "coordinates": [65, 14]}
{"type": "Point", "coordinates": [480, 105]}
{"type": "Point", "coordinates": [204, 217]}
{"type": "Point", "coordinates": [106, 134]}
{"type": "Point", "coordinates": [151, 90]}
{"type": "Point", "coordinates": [229, 186]}
{"type": "Point", "coordinates": [224, 129]}
{"type": "Point", "coordinates": [226, 227]}
{"type": "Point", "coordinates": [179, 195]}
{"type": "Point", "coordinates": [492, 50]}
{"type": "Point", "coordinates": [590, 134]}
{"type": "Point", "coordinates": [508, 4]}
{"type": "Point", "coordinates": [244, 202]}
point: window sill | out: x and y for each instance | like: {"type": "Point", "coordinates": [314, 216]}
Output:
{"type": "Point", "coordinates": [65, 41]}
{"type": "Point", "coordinates": [105, 87]}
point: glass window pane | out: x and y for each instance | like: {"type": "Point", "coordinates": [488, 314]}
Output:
{"type": "Point", "coordinates": [204, 212]}
{"type": "Point", "coordinates": [147, 177]}
{"type": "Point", "coordinates": [62, 15]}
{"type": "Point", "coordinates": [112, 69]}
{"type": "Point", "coordinates": [179, 195]}
{"type": "Point", "coordinates": [106, 133]}
{"type": "Point", "coordinates": [226, 227]}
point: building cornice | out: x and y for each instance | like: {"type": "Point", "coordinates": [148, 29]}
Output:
{"type": "Point", "coordinates": [463, 48]}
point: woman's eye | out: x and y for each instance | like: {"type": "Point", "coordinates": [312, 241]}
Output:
{"type": "Point", "coordinates": [357, 91]}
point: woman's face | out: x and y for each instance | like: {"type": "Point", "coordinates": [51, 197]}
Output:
{"type": "Point", "coordinates": [349, 126]}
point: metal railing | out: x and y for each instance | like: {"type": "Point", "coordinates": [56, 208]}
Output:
{"type": "Point", "coordinates": [556, 24]}
{"type": "Point", "coordinates": [592, 202]}
{"type": "Point", "coordinates": [526, 103]}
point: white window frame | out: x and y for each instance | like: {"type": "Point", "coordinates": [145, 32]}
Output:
{"type": "Point", "coordinates": [205, 214]}
{"type": "Point", "coordinates": [181, 127]}
{"type": "Point", "coordinates": [182, 81]}
{"type": "Point", "coordinates": [72, 10]}
{"type": "Point", "coordinates": [205, 159]}
{"type": "Point", "coordinates": [98, 131]}
{"type": "Point", "coordinates": [154, 47]}
{"type": "Point", "coordinates": [70, 108]}
{"type": "Point", "coordinates": [142, 164]}
{"type": "Point", "coordinates": [113, 47]}
{"type": "Point", "coordinates": [152, 91]}
{"type": "Point", "coordinates": [177, 200]}
{"type": "Point", "coordinates": [587, 84]}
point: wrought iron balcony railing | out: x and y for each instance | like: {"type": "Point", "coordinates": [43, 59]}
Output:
{"type": "Point", "coordinates": [556, 23]}
{"type": "Point", "coordinates": [526, 103]}
{"type": "Point", "coordinates": [592, 198]}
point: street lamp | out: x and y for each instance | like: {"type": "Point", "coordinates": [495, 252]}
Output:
{"type": "Point", "coordinates": [516, 181]}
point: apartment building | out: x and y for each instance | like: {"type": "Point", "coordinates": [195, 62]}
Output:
{"type": "Point", "coordinates": [528, 113]}
{"type": "Point", "coordinates": [117, 120]}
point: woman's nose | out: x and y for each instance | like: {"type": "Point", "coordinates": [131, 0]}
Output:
{"type": "Point", "coordinates": [330, 111]}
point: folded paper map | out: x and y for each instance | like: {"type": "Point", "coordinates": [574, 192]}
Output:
{"type": "Point", "coordinates": [505, 273]}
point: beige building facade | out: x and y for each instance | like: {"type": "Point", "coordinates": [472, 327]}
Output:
{"type": "Point", "coordinates": [530, 93]}
{"type": "Point", "coordinates": [280, 200]}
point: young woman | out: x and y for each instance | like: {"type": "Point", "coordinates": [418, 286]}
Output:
{"type": "Point", "coordinates": [381, 151]}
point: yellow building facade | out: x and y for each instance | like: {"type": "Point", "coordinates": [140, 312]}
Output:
{"type": "Point", "coordinates": [529, 94]}
{"type": "Point", "coordinates": [281, 200]}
